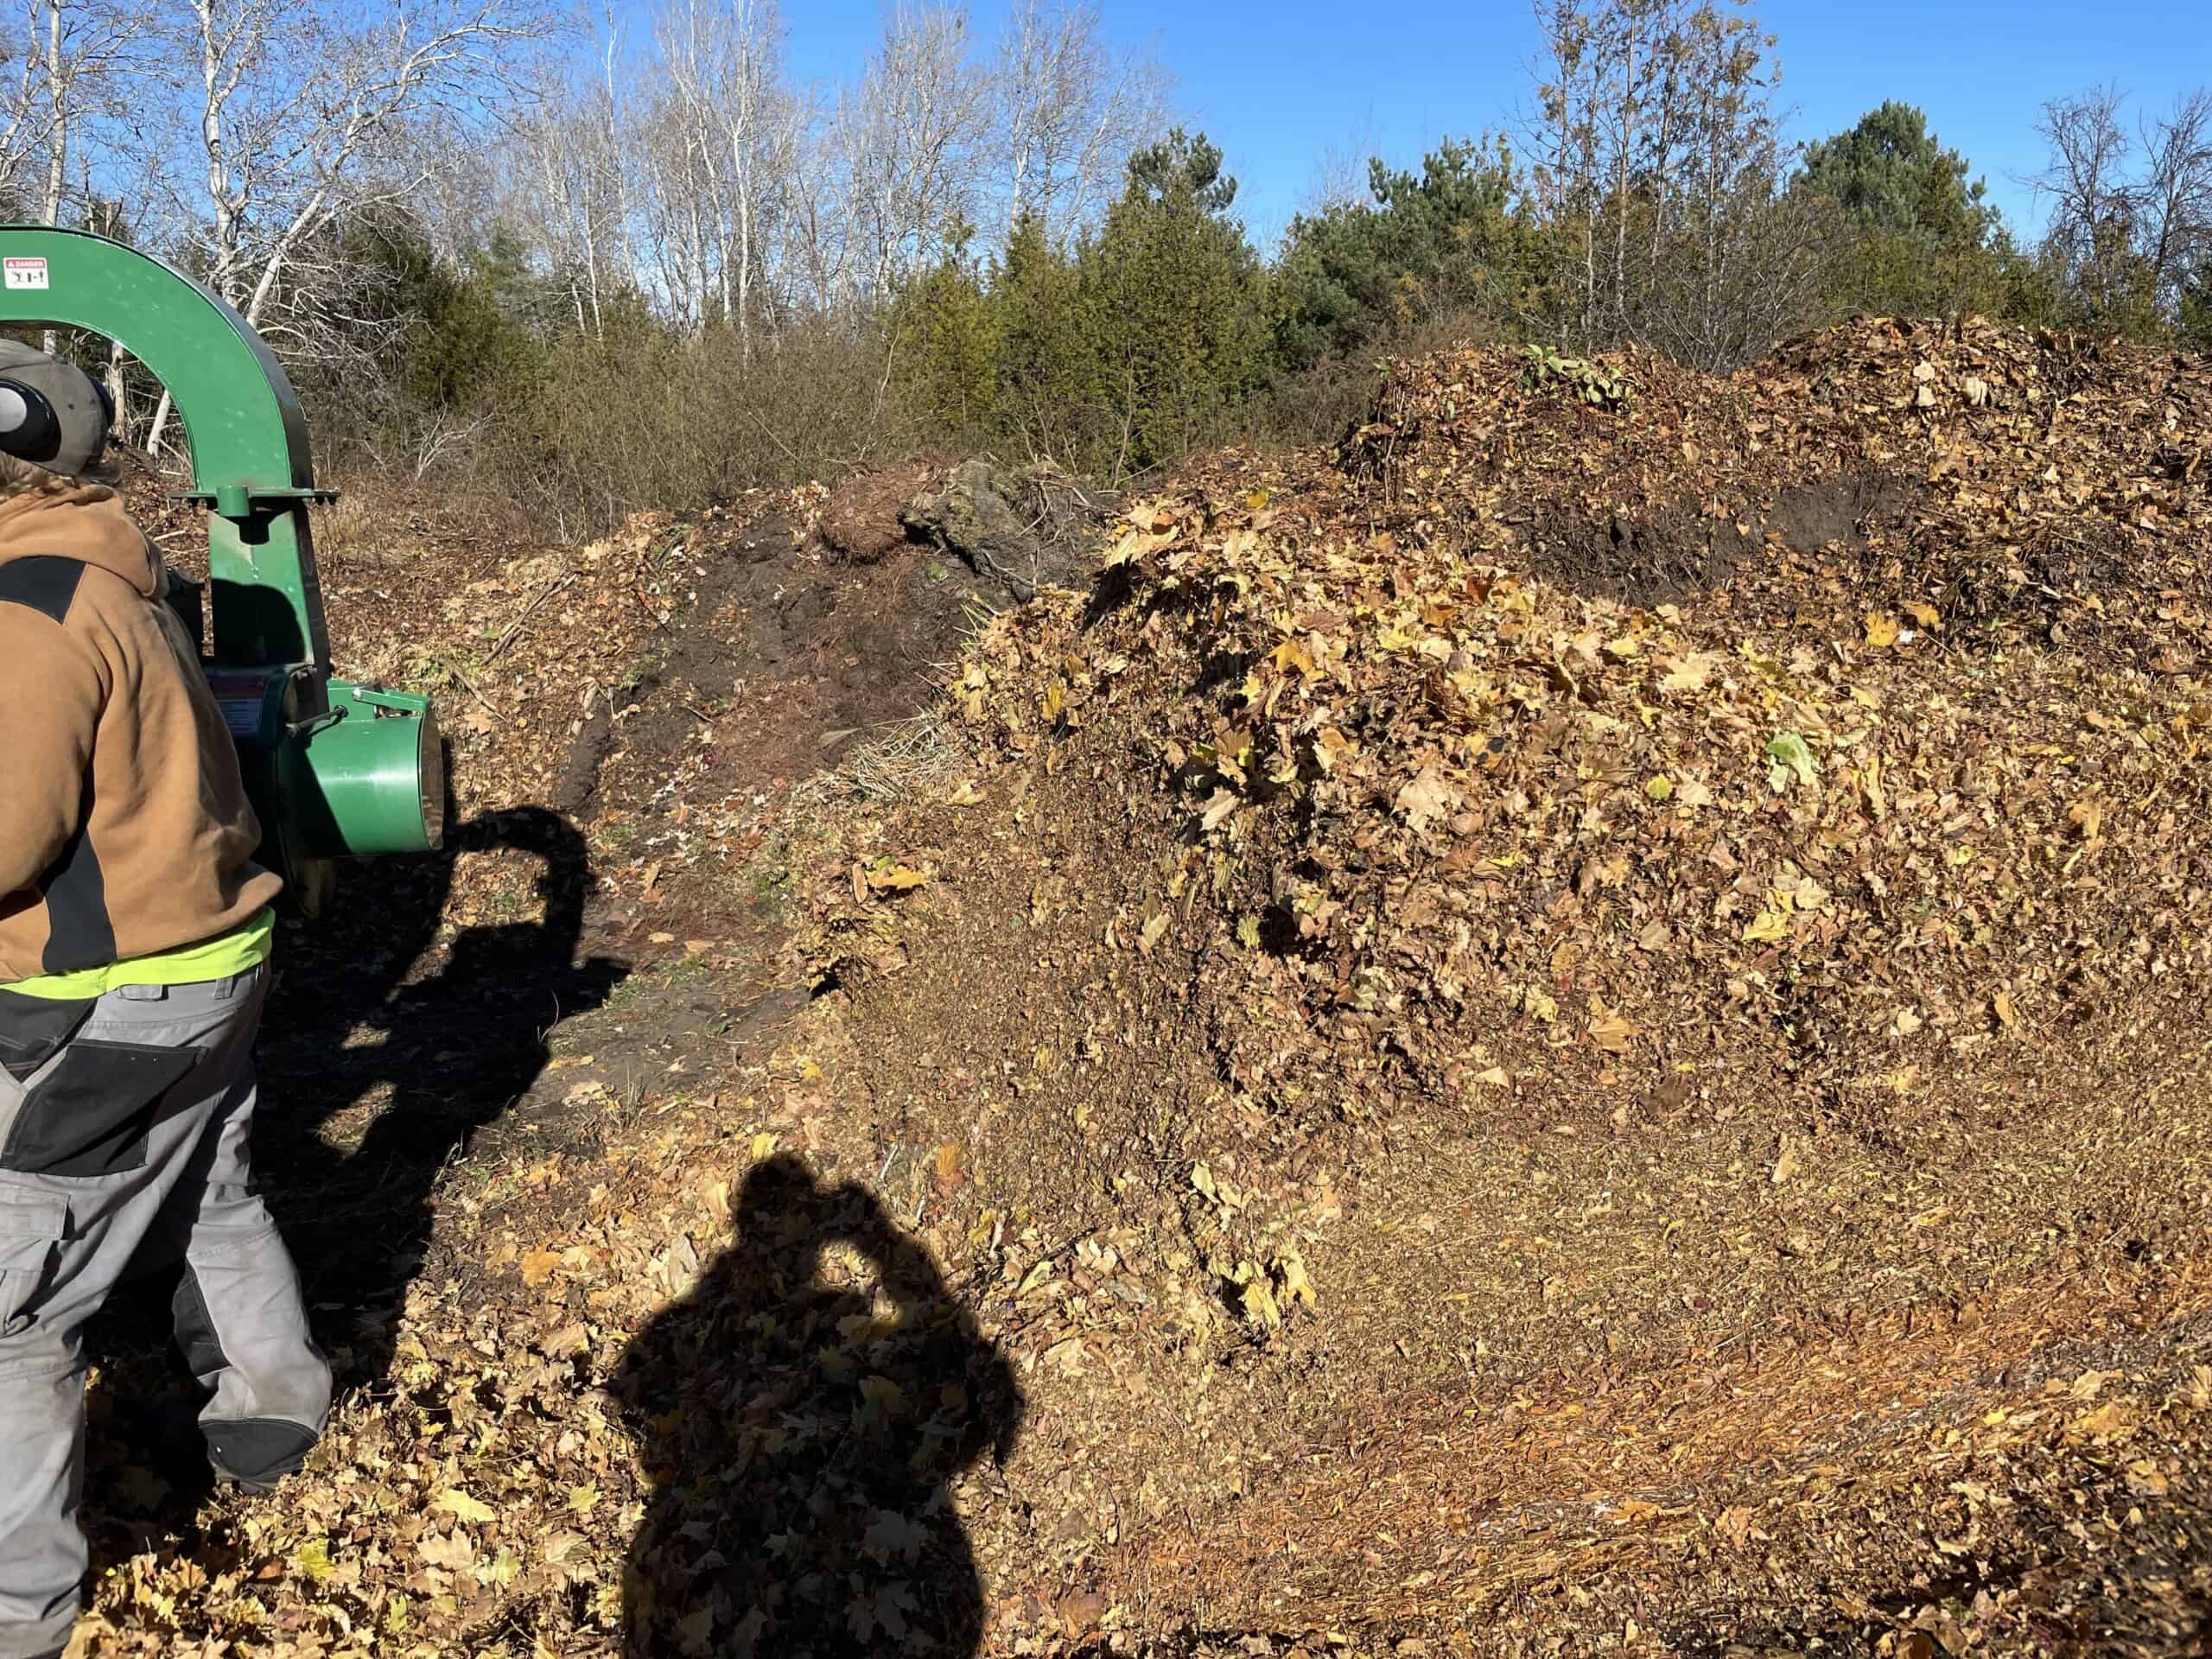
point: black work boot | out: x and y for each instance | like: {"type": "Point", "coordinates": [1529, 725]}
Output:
{"type": "Point", "coordinates": [256, 1453]}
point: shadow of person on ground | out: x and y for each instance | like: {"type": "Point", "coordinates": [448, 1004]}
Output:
{"type": "Point", "coordinates": [452, 1052]}
{"type": "Point", "coordinates": [455, 1050]}
{"type": "Point", "coordinates": [803, 1412]}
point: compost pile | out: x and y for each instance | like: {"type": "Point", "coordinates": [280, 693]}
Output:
{"type": "Point", "coordinates": [1663, 824]}
{"type": "Point", "coordinates": [2020, 485]}
{"type": "Point", "coordinates": [1578, 1026]}
{"type": "Point", "coordinates": [1839, 829]}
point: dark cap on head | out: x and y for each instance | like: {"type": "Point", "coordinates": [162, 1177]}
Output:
{"type": "Point", "coordinates": [52, 414]}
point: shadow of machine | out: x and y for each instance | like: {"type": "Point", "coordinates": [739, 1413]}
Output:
{"type": "Point", "coordinates": [429, 1061]}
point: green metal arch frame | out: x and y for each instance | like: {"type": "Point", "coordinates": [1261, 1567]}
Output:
{"type": "Point", "coordinates": [250, 459]}
{"type": "Point", "coordinates": [332, 768]}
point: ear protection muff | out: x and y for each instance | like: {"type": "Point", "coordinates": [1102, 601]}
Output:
{"type": "Point", "coordinates": [52, 413]}
{"type": "Point", "coordinates": [29, 429]}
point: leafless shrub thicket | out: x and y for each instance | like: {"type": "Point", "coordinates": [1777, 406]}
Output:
{"type": "Point", "coordinates": [2130, 212]}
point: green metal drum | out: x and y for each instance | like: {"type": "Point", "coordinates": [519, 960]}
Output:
{"type": "Point", "coordinates": [334, 768]}
{"type": "Point", "coordinates": [374, 779]}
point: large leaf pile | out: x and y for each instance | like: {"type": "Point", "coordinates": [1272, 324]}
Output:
{"type": "Point", "coordinates": [1872, 824]}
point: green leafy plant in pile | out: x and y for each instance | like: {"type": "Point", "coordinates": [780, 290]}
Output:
{"type": "Point", "coordinates": [1598, 384]}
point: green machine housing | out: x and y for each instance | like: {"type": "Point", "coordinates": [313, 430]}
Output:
{"type": "Point", "coordinates": [334, 768]}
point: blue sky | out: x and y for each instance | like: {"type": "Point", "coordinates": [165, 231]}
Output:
{"type": "Point", "coordinates": [1278, 84]}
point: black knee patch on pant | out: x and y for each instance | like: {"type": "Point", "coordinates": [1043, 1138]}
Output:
{"type": "Point", "coordinates": [258, 1448]}
{"type": "Point", "coordinates": [195, 1326]}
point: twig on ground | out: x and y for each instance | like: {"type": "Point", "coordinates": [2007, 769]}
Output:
{"type": "Point", "coordinates": [469, 685]}
{"type": "Point", "coordinates": [529, 611]}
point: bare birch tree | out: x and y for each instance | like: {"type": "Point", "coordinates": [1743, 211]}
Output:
{"type": "Point", "coordinates": [819, 248]}
{"type": "Point", "coordinates": [1562, 139]}
{"type": "Point", "coordinates": [719, 148]}
{"type": "Point", "coordinates": [81, 48]}
{"type": "Point", "coordinates": [26, 103]}
{"type": "Point", "coordinates": [911, 137]}
{"type": "Point", "coordinates": [1659, 165]}
{"type": "Point", "coordinates": [290, 104]}
{"type": "Point", "coordinates": [1070, 112]}
{"type": "Point", "coordinates": [569, 189]}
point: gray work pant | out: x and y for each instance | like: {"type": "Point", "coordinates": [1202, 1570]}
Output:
{"type": "Point", "coordinates": [123, 1131]}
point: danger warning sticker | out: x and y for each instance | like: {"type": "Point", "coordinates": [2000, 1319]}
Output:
{"type": "Point", "coordinates": [23, 271]}
{"type": "Point", "coordinates": [242, 698]}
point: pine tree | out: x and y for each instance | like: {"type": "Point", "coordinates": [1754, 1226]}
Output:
{"type": "Point", "coordinates": [1170, 293]}
{"type": "Point", "coordinates": [1891, 176]}
{"type": "Point", "coordinates": [1451, 240]}
{"type": "Point", "coordinates": [1918, 235]}
{"type": "Point", "coordinates": [944, 332]}
{"type": "Point", "coordinates": [1047, 382]}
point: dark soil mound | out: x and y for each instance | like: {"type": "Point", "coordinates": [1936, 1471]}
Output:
{"type": "Point", "coordinates": [1889, 475]}
{"type": "Point", "coordinates": [860, 522]}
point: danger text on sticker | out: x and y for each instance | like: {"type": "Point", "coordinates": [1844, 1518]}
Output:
{"type": "Point", "coordinates": [23, 272]}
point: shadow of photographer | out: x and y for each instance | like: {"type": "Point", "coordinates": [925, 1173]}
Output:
{"type": "Point", "coordinates": [804, 1413]}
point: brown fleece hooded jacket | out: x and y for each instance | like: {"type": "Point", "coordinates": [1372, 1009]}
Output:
{"type": "Point", "coordinates": [123, 826]}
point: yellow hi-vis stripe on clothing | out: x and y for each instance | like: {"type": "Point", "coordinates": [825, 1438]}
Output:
{"type": "Point", "coordinates": [247, 946]}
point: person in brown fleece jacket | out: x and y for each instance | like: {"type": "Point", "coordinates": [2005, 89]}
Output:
{"type": "Point", "coordinates": [128, 830]}
{"type": "Point", "coordinates": [135, 932]}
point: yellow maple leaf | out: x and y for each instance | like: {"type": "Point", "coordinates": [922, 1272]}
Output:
{"type": "Point", "coordinates": [886, 875]}
{"type": "Point", "coordinates": [458, 1504]}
